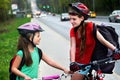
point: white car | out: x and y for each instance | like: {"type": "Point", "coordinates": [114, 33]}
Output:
{"type": "Point", "coordinates": [64, 17]}
{"type": "Point", "coordinates": [114, 16]}
{"type": "Point", "coordinates": [43, 15]}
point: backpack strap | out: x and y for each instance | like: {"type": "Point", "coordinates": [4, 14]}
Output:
{"type": "Point", "coordinates": [40, 53]}
{"type": "Point", "coordinates": [23, 58]}
{"type": "Point", "coordinates": [12, 76]}
{"type": "Point", "coordinates": [95, 30]}
{"type": "Point", "coordinates": [22, 61]}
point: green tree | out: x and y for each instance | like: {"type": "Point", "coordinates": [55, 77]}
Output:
{"type": "Point", "coordinates": [4, 9]}
{"type": "Point", "coordinates": [23, 5]}
{"type": "Point", "coordinates": [99, 6]}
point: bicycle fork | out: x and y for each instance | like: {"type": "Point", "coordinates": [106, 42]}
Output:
{"type": "Point", "coordinates": [100, 75]}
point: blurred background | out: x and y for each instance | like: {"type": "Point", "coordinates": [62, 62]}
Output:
{"type": "Point", "coordinates": [9, 8]}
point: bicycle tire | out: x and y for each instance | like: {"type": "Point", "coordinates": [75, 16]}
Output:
{"type": "Point", "coordinates": [86, 78]}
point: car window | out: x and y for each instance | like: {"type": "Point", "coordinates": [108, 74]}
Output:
{"type": "Point", "coordinates": [65, 14]}
{"type": "Point", "coordinates": [116, 12]}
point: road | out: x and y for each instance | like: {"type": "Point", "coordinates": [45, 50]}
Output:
{"type": "Point", "coordinates": [55, 23]}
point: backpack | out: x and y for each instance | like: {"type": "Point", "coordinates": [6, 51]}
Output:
{"type": "Point", "coordinates": [101, 51]}
{"type": "Point", "coordinates": [13, 76]}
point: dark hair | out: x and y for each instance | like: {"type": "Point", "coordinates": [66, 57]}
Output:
{"type": "Point", "coordinates": [83, 40]}
{"type": "Point", "coordinates": [83, 24]}
{"type": "Point", "coordinates": [74, 12]}
{"type": "Point", "coordinates": [23, 45]}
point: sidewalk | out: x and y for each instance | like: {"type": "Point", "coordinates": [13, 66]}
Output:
{"type": "Point", "coordinates": [57, 48]}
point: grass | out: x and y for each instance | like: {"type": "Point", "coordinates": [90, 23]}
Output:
{"type": "Point", "coordinates": [8, 43]}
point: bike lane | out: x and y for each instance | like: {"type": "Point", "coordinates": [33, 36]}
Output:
{"type": "Point", "coordinates": [57, 48]}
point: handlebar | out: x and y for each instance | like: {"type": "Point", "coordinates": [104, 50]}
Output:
{"type": "Point", "coordinates": [103, 61]}
{"type": "Point", "coordinates": [97, 62]}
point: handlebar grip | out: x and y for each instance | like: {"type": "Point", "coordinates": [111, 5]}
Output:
{"type": "Point", "coordinates": [50, 77]}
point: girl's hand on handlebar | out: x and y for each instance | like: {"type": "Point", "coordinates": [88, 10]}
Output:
{"type": "Point", "coordinates": [67, 71]}
{"type": "Point", "coordinates": [116, 54]}
{"type": "Point", "coordinates": [74, 66]}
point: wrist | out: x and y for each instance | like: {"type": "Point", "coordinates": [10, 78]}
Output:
{"type": "Point", "coordinates": [72, 61]}
{"type": "Point", "coordinates": [64, 69]}
{"type": "Point", "coordinates": [115, 50]}
{"type": "Point", "coordinates": [24, 76]}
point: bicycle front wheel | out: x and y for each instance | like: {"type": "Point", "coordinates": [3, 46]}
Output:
{"type": "Point", "coordinates": [86, 78]}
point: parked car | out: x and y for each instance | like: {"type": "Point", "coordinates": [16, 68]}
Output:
{"type": "Point", "coordinates": [64, 17]}
{"type": "Point", "coordinates": [54, 14]}
{"type": "Point", "coordinates": [114, 16]}
{"type": "Point", "coordinates": [43, 15]}
{"type": "Point", "coordinates": [92, 14]}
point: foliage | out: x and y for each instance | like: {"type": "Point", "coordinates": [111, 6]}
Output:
{"type": "Point", "coordinates": [58, 6]}
{"type": "Point", "coordinates": [4, 9]}
{"type": "Point", "coordinates": [22, 4]}
{"type": "Point", "coordinates": [5, 4]}
{"type": "Point", "coordinates": [8, 43]}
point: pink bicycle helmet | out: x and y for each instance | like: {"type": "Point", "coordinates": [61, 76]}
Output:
{"type": "Point", "coordinates": [29, 28]}
{"type": "Point", "coordinates": [80, 8]}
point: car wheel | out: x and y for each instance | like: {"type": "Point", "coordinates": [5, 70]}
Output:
{"type": "Point", "coordinates": [116, 21]}
{"type": "Point", "coordinates": [61, 19]}
{"type": "Point", "coordinates": [110, 20]}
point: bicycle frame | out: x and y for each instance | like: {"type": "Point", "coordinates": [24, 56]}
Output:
{"type": "Point", "coordinates": [51, 77]}
{"type": "Point", "coordinates": [98, 75]}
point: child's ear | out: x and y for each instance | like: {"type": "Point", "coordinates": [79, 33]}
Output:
{"type": "Point", "coordinates": [82, 18]}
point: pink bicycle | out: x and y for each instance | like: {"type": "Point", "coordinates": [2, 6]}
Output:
{"type": "Point", "coordinates": [51, 77]}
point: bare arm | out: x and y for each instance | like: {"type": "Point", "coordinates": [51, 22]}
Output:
{"type": "Point", "coordinates": [15, 68]}
{"type": "Point", "coordinates": [72, 49]}
{"type": "Point", "coordinates": [104, 41]}
{"type": "Point", "coordinates": [52, 63]}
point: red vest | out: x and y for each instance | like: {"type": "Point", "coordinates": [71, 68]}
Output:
{"type": "Point", "coordinates": [90, 44]}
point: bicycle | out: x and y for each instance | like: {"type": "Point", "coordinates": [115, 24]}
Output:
{"type": "Point", "coordinates": [96, 74]}
{"type": "Point", "coordinates": [52, 77]}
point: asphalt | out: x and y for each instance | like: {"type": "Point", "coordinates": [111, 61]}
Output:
{"type": "Point", "coordinates": [57, 48]}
